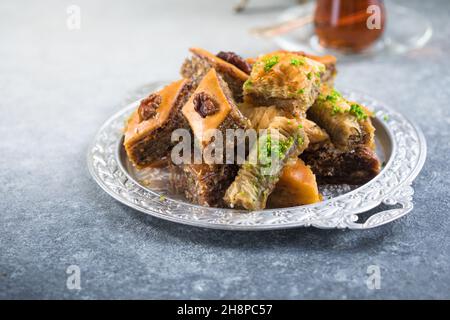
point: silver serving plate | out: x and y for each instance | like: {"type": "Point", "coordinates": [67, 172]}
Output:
{"type": "Point", "coordinates": [400, 145]}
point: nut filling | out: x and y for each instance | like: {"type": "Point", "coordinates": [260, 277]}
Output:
{"type": "Point", "coordinates": [235, 60]}
{"type": "Point", "coordinates": [147, 109]}
{"type": "Point", "coordinates": [205, 105]}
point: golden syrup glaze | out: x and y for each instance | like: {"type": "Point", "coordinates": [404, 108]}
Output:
{"type": "Point", "coordinates": [220, 64]}
{"type": "Point", "coordinates": [202, 126]}
{"type": "Point", "coordinates": [136, 129]}
{"type": "Point", "coordinates": [283, 79]}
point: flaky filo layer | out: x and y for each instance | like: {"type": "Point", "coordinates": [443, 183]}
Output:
{"type": "Point", "coordinates": [347, 123]}
{"type": "Point", "coordinates": [283, 140]}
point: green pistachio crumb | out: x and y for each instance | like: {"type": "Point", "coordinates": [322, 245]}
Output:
{"type": "Point", "coordinates": [358, 112]}
{"type": "Point", "coordinates": [297, 62]}
{"type": "Point", "coordinates": [248, 84]}
{"type": "Point", "coordinates": [321, 98]}
{"type": "Point", "coordinates": [269, 63]}
{"type": "Point", "coordinates": [336, 110]}
{"type": "Point", "coordinates": [333, 96]}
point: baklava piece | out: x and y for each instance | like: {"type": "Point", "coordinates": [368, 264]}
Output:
{"type": "Point", "coordinates": [284, 139]}
{"type": "Point", "coordinates": [297, 186]}
{"type": "Point", "coordinates": [148, 131]}
{"type": "Point", "coordinates": [232, 68]}
{"type": "Point", "coordinates": [286, 80]}
{"type": "Point", "coordinates": [202, 184]}
{"type": "Point", "coordinates": [210, 108]}
{"type": "Point", "coordinates": [328, 61]}
{"type": "Point", "coordinates": [348, 156]}
{"type": "Point", "coordinates": [347, 123]}
{"type": "Point", "coordinates": [334, 166]}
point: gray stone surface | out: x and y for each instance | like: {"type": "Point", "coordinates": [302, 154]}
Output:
{"type": "Point", "coordinates": [58, 86]}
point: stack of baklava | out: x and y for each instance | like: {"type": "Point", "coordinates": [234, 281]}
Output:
{"type": "Point", "coordinates": [308, 133]}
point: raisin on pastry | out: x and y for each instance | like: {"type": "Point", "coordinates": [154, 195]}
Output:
{"type": "Point", "coordinates": [229, 66]}
{"type": "Point", "coordinates": [148, 130]}
{"type": "Point", "coordinates": [210, 107]}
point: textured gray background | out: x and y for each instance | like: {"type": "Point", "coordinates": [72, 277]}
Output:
{"type": "Point", "coordinates": [58, 86]}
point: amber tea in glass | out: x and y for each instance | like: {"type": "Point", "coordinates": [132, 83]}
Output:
{"type": "Point", "coordinates": [349, 25]}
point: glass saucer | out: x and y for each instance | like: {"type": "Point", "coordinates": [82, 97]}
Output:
{"type": "Point", "coordinates": [406, 30]}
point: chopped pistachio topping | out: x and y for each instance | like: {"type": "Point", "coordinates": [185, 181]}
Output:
{"type": "Point", "coordinates": [336, 110]}
{"type": "Point", "coordinates": [309, 76]}
{"type": "Point", "coordinates": [300, 140]}
{"type": "Point", "coordinates": [265, 151]}
{"type": "Point", "coordinates": [386, 117]}
{"type": "Point", "coordinates": [301, 91]}
{"type": "Point", "coordinates": [278, 148]}
{"type": "Point", "coordinates": [321, 97]}
{"type": "Point", "coordinates": [297, 62]}
{"type": "Point", "coordinates": [270, 62]}
{"type": "Point", "coordinates": [248, 84]}
{"type": "Point", "coordinates": [358, 112]}
{"type": "Point", "coordinates": [283, 147]}
{"type": "Point", "coordinates": [333, 96]}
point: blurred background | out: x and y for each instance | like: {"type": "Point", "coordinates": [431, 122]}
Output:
{"type": "Point", "coordinates": [60, 80]}
{"type": "Point", "coordinates": [118, 46]}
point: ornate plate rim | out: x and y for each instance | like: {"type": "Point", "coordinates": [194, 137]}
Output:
{"type": "Point", "coordinates": [337, 212]}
